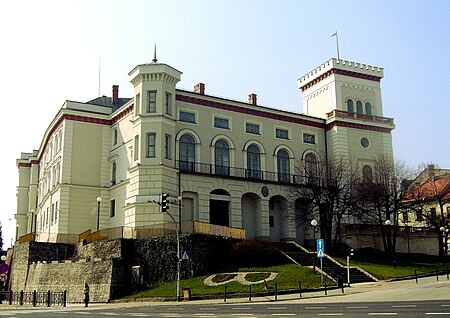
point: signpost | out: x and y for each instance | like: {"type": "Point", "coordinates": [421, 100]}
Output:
{"type": "Point", "coordinates": [320, 254]}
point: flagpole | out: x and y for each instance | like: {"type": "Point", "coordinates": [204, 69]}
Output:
{"type": "Point", "coordinates": [337, 43]}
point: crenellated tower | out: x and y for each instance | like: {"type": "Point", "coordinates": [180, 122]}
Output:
{"type": "Point", "coordinates": [348, 96]}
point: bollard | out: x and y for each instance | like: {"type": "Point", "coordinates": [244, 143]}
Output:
{"type": "Point", "coordinates": [225, 295]}
{"type": "Point", "coordinates": [21, 298]}
{"type": "Point", "coordinates": [276, 290]}
{"type": "Point", "coordinates": [325, 288]}
{"type": "Point", "coordinates": [250, 295]}
{"type": "Point", "coordinates": [10, 297]}
{"type": "Point", "coordinates": [48, 298]}
{"type": "Point", "coordinates": [300, 287]}
{"type": "Point", "coordinates": [415, 273]}
{"type": "Point", "coordinates": [65, 298]}
{"type": "Point", "coordinates": [446, 271]}
{"type": "Point", "coordinates": [437, 274]}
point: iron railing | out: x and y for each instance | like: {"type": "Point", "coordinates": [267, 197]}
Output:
{"type": "Point", "coordinates": [34, 298]}
{"type": "Point", "coordinates": [242, 173]}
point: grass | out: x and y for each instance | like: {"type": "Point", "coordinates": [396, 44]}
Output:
{"type": "Point", "coordinates": [289, 276]}
{"type": "Point", "coordinates": [383, 268]}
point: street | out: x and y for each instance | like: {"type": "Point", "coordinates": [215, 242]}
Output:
{"type": "Point", "coordinates": [428, 297]}
{"type": "Point", "coordinates": [366, 309]}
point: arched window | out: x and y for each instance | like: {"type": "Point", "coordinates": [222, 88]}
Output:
{"type": "Point", "coordinates": [368, 108]}
{"type": "Point", "coordinates": [350, 107]}
{"type": "Point", "coordinates": [367, 174]}
{"type": "Point", "coordinates": [283, 166]}
{"type": "Point", "coordinates": [311, 169]}
{"type": "Point", "coordinates": [359, 108]}
{"type": "Point", "coordinates": [222, 157]}
{"type": "Point", "coordinates": [253, 162]}
{"type": "Point", "coordinates": [187, 153]}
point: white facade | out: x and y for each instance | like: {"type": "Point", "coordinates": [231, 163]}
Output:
{"type": "Point", "coordinates": [229, 161]}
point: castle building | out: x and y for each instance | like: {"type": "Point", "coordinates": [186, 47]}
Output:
{"type": "Point", "coordinates": [103, 164]}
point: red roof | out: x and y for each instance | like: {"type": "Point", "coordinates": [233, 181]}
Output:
{"type": "Point", "coordinates": [431, 189]}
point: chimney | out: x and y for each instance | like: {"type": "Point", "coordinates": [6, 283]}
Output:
{"type": "Point", "coordinates": [252, 99]}
{"type": "Point", "coordinates": [199, 88]}
{"type": "Point", "coordinates": [115, 95]}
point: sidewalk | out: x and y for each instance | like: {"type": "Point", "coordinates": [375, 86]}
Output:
{"type": "Point", "coordinates": [428, 288]}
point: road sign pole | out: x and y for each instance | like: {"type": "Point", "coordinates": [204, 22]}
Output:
{"type": "Point", "coordinates": [321, 271]}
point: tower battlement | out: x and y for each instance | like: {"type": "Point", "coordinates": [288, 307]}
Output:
{"type": "Point", "coordinates": [364, 70]}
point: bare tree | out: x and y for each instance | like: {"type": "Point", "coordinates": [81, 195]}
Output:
{"type": "Point", "coordinates": [380, 196]}
{"type": "Point", "coordinates": [326, 193]}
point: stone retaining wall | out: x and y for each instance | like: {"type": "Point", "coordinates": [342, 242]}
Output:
{"type": "Point", "coordinates": [107, 265]}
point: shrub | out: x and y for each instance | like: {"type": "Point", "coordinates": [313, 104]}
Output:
{"type": "Point", "coordinates": [253, 252]}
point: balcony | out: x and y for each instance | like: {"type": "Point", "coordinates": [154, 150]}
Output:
{"type": "Point", "coordinates": [247, 174]}
{"type": "Point", "coordinates": [375, 119]}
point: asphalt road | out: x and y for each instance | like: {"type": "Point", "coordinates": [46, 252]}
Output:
{"type": "Point", "coordinates": [249, 310]}
{"type": "Point", "coordinates": [429, 297]}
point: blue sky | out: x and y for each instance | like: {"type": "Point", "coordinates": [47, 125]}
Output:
{"type": "Point", "coordinates": [51, 50]}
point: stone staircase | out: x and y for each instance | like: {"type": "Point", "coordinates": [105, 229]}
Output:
{"type": "Point", "coordinates": [330, 267]}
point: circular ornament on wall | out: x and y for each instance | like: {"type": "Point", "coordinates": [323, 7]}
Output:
{"type": "Point", "coordinates": [364, 142]}
{"type": "Point", "coordinates": [265, 191]}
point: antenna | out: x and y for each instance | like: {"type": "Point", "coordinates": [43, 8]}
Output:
{"type": "Point", "coordinates": [154, 55]}
{"type": "Point", "coordinates": [99, 74]}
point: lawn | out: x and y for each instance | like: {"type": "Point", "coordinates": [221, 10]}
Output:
{"type": "Point", "coordinates": [289, 276]}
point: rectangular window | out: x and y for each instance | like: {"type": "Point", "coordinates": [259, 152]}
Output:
{"type": "Point", "coordinates": [115, 136]}
{"type": "Point", "coordinates": [112, 208]}
{"type": "Point", "coordinates": [56, 212]}
{"type": "Point", "coordinates": [168, 103]}
{"type": "Point", "coordinates": [309, 138]}
{"type": "Point", "coordinates": [151, 107]}
{"type": "Point", "coordinates": [137, 103]}
{"type": "Point", "coordinates": [252, 128]}
{"type": "Point", "coordinates": [113, 173]}
{"type": "Point", "coordinates": [433, 214]}
{"type": "Point", "coordinates": [221, 123]}
{"type": "Point", "coordinates": [405, 217]}
{"type": "Point", "coordinates": [419, 217]}
{"type": "Point", "coordinates": [187, 117]}
{"type": "Point", "coordinates": [151, 142]}
{"type": "Point", "coordinates": [282, 133]}
{"type": "Point", "coordinates": [136, 148]}
{"type": "Point", "coordinates": [167, 146]}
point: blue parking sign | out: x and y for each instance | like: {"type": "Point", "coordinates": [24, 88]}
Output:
{"type": "Point", "coordinates": [320, 248]}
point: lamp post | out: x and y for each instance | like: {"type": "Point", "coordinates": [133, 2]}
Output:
{"type": "Point", "coordinates": [314, 224]}
{"type": "Point", "coordinates": [388, 223]}
{"type": "Point", "coordinates": [444, 232]}
{"type": "Point", "coordinates": [178, 256]}
{"type": "Point", "coordinates": [99, 199]}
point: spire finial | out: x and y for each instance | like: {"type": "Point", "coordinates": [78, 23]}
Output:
{"type": "Point", "coordinates": [154, 55]}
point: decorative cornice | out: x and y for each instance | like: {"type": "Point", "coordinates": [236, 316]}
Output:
{"type": "Point", "coordinates": [27, 164]}
{"type": "Point", "coordinates": [122, 114]}
{"type": "Point", "coordinates": [248, 111]}
{"type": "Point", "coordinates": [340, 72]}
{"type": "Point", "coordinates": [357, 126]}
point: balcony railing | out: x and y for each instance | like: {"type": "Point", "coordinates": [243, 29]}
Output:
{"type": "Point", "coordinates": [242, 173]}
{"type": "Point", "coordinates": [343, 114]}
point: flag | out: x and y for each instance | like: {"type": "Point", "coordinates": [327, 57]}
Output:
{"type": "Point", "coordinates": [335, 33]}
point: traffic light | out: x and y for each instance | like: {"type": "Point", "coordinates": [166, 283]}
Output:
{"type": "Point", "coordinates": [164, 202]}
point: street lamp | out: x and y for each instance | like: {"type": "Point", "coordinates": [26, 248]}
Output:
{"type": "Point", "coordinates": [444, 232]}
{"type": "Point", "coordinates": [314, 224]}
{"type": "Point", "coordinates": [390, 242]}
{"type": "Point", "coordinates": [99, 199]}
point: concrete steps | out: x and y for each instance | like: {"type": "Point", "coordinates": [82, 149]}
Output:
{"type": "Point", "coordinates": [330, 267]}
